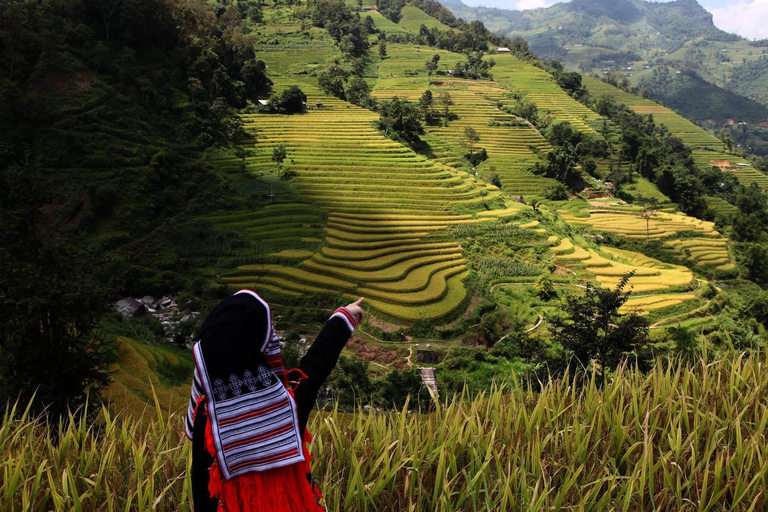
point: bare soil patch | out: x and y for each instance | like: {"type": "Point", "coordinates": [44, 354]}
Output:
{"type": "Point", "coordinates": [382, 324]}
{"type": "Point", "coordinates": [373, 352]}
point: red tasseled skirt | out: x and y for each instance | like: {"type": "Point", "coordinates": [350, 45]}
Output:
{"type": "Point", "coordinates": [283, 489]}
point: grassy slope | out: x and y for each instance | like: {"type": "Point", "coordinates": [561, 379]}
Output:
{"type": "Point", "coordinates": [413, 18]}
{"type": "Point", "coordinates": [145, 372]}
{"type": "Point", "coordinates": [679, 438]}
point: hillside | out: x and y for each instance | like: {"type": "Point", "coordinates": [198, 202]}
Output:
{"type": "Point", "coordinates": [518, 185]}
{"type": "Point", "coordinates": [636, 38]}
{"type": "Point", "coordinates": [540, 241]}
{"type": "Point", "coordinates": [694, 98]}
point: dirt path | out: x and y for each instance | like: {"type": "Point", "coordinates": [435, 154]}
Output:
{"type": "Point", "coordinates": [541, 319]}
{"type": "Point", "coordinates": [408, 359]}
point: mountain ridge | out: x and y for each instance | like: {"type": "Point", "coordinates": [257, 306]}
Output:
{"type": "Point", "coordinates": [633, 38]}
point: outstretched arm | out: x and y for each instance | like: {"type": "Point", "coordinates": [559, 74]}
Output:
{"type": "Point", "coordinates": [322, 356]}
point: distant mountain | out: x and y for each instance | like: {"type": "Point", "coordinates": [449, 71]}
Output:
{"type": "Point", "coordinates": [703, 102]}
{"type": "Point", "coordinates": [635, 37]}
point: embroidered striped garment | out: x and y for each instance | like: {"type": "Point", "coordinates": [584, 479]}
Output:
{"type": "Point", "coordinates": [238, 367]}
{"type": "Point", "coordinates": [274, 359]}
{"type": "Point", "coordinates": [254, 421]}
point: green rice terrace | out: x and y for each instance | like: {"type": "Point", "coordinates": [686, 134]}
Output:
{"type": "Point", "coordinates": [383, 218]}
{"type": "Point", "coordinates": [707, 149]}
{"type": "Point", "coordinates": [364, 215]}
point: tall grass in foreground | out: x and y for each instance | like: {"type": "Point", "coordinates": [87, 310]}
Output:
{"type": "Point", "coordinates": [685, 437]}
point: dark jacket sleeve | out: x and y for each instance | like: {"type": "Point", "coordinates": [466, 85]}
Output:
{"type": "Point", "coordinates": [320, 360]}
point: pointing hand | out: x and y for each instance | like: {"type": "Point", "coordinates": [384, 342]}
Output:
{"type": "Point", "coordinates": [356, 310]}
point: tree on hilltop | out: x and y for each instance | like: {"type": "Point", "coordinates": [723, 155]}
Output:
{"type": "Point", "coordinates": [594, 331]}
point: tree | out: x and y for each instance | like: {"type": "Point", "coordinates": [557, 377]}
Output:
{"type": "Point", "coordinates": [382, 49]}
{"type": "Point", "coordinates": [400, 386]}
{"type": "Point", "coordinates": [278, 156]}
{"type": "Point", "coordinates": [753, 258]}
{"type": "Point", "coordinates": [593, 331]}
{"type": "Point", "coordinates": [426, 102]}
{"type": "Point", "coordinates": [648, 212]}
{"type": "Point", "coordinates": [447, 101]}
{"type": "Point", "coordinates": [562, 133]}
{"type": "Point", "coordinates": [290, 101]}
{"type": "Point", "coordinates": [50, 303]}
{"type": "Point", "coordinates": [557, 192]}
{"type": "Point", "coordinates": [359, 93]}
{"type": "Point", "coordinates": [350, 382]}
{"type": "Point", "coordinates": [544, 286]}
{"type": "Point", "coordinates": [475, 67]}
{"type": "Point", "coordinates": [685, 342]}
{"type": "Point", "coordinates": [254, 75]}
{"type": "Point", "coordinates": [528, 111]}
{"type": "Point", "coordinates": [430, 66]}
{"type": "Point", "coordinates": [471, 137]}
{"type": "Point", "coordinates": [560, 164]}
{"type": "Point", "coordinates": [332, 80]}
{"type": "Point", "coordinates": [400, 120]}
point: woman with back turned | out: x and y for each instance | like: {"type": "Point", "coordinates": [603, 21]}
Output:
{"type": "Point", "coordinates": [247, 416]}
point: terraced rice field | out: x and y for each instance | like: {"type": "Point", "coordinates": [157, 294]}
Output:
{"type": "Point", "coordinates": [737, 165]}
{"type": "Point", "coordinates": [413, 18]}
{"type": "Point", "coordinates": [657, 301]}
{"type": "Point", "coordinates": [610, 265]}
{"type": "Point", "coordinates": [721, 206]}
{"type": "Point", "coordinates": [702, 251]}
{"type": "Point", "coordinates": [130, 393]}
{"type": "Point", "coordinates": [403, 69]}
{"type": "Point", "coordinates": [707, 149]}
{"type": "Point", "coordinates": [276, 223]}
{"type": "Point", "coordinates": [633, 225]}
{"type": "Point", "coordinates": [383, 24]}
{"type": "Point", "coordinates": [510, 148]}
{"type": "Point", "coordinates": [383, 260]}
{"type": "Point", "coordinates": [382, 200]}
{"type": "Point", "coordinates": [539, 86]}
{"type": "Point", "coordinates": [285, 60]}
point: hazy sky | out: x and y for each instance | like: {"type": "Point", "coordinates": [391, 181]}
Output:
{"type": "Point", "coordinates": [748, 18]}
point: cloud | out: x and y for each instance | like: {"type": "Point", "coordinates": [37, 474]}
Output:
{"type": "Point", "coordinates": [744, 17]}
{"type": "Point", "coordinates": [534, 4]}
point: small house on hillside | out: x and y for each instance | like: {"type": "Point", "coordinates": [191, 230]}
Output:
{"type": "Point", "coordinates": [502, 49]}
